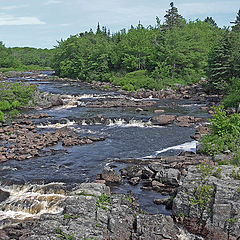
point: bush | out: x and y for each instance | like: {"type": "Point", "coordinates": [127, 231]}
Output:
{"type": "Point", "coordinates": [225, 133]}
{"type": "Point", "coordinates": [5, 105]}
{"type": "Point", "coordinates": [135, 81]}
{"type": "Point", "coordinates": [1, 116]}
{"type": "Point", "coordinates": [14, 96]}
{"type": "Point", "coordinates": [13, 113]}
{"type": "Point", "coordinates": [232, 98]}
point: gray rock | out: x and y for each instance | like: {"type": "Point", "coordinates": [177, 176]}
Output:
{"type": "Point", "coordinates": [4, 195]}
{"type": "Point", "coordinates": [89, 213]}
{"type": "Point", "coordinates": [110, 175]}
{"type": "Point", "coordinates": [224, 205]}
{"type": "Point", "coordinates": [168, 176]}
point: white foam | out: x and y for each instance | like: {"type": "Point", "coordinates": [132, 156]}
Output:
{"type": "Point", "coordinates": [188, 146]}
{"type": "Point", "coordinates": [132, 123]}
{"type": "Point", "coordinates": [29, 202]}
{"type": "Point", "coordinates": [57, 125]}
{"type": "Point", "coordinates": [192, 105]}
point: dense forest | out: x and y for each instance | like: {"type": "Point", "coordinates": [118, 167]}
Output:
{"type": "Point", "coordinates": [153, 57]}
{"type": "Point", "coordinates": [25, 58]}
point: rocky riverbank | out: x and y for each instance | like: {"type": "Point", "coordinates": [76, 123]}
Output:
{"type": "Point", "coordinates": [89, 211]}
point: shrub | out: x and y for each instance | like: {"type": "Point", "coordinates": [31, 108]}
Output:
{"type": "Point", "coordinates": [1, 116]}
{"type": "Point", "coordinates": [232, 98]}
{"type": "Point", "coordinates": [14, 96]}
{"type": "Point", "coordinates": [5, 105]}
{"type": "Point", "coordinates": [135, 80]}
{"type": "Point", "coordinates": [13, 113]}
{"type": "Point", "coordinates": [225, 133]}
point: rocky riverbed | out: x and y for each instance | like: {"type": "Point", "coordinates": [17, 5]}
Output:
{"type": "Point", "coordinates": [96, 210]}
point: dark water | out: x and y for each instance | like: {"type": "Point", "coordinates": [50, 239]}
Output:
{"type": "Point", "coordinates": [128, 135]}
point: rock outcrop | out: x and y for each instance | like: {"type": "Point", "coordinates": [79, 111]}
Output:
{"type": "Point", "coordinates": [212, 202]}
{"type": "Point", "coordinates": [91, 212]}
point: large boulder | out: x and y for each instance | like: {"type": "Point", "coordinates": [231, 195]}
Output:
{"type": "Point", "coordinates": [166, 175]}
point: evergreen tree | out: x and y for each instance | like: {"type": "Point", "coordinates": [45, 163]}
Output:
{"type": "Point", "coordinates": [173, 18]}
{"type": "Point", "coordinates": [236, 27]}
{"type": "Point", "coordinates": [220, 67]}
{"type": "Point", "coordinates": [210, 21]}
{"type": "Point", "coordinates": [98, 29]}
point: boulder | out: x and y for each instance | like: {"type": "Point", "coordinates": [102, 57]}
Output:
{"type": "Point", "coordinates": [163, 119]}
{"type": "Point", "coordinates": [134, 180]}
{"type": "Point", "coordinates": [110, 175]}
{"type": "Point", "coordinates": [3, 195]}
{"type": "Point", "coordinates": [169, 176]}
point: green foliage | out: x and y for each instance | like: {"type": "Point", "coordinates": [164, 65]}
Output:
{"type": "Point", "coordinates": [225, 133]}
{"type": "Point", "coordinates": [13, 113]}
{"type": "Point", "coordinates": [173, 18]}
{"type": "Point", "coordinates": [232, 98]}
{"type": "Point", "coordinates": [236, 175]}
{"type": "Point", "coordinates": [24, 59]}
{"type": "Point", "coordinates": [224, 62]}
{"type": "Point", "coordinates": [5, 105]}
{"type": "Point", "coordinates": [6, 59]}
{"type": "Point", "coordinates": [14, 96]}
{"type": "Point", "coordinates": [1, 116]}
{"type": "Point", "coordinates": [236, 23]}
{"type": "Point", "coordinates": [135, 80]}
{"type": "Point", "coordinates": [103, 201]}
{"type": "Point", "coordinates": [63, 235]}
{"type": "Point", "coordinates": [32, 56]}
{"type": "Point", "coordinates": [175, 52]}
{"type": "Point", "coordinates": [203, 193]}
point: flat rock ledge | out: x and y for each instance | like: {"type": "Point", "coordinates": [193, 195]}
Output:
{"type": "Point", "coordinates": [91, 212]}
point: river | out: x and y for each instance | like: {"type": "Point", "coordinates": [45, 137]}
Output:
{"type": "Point", "coordinates": [128, 134]}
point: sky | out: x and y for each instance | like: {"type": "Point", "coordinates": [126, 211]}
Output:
{"type": "Point", "coordinates": [41, 23]}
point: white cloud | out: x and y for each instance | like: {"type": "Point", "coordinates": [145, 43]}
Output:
{"type": "Point", "coordinates": [49, 2]}
{"type": "Point", "coordinates": [8, 20]}
{"type": "Point", "coordinates": [11, 7]}
{"type": "Point", "coordinates": [65, 24]}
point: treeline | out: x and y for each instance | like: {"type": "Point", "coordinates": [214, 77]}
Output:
{"type": "Point", "coordinates": [25, 58]}
{"type": "Point", "coordinates": [176, 51]}
{"type": "Point", "coordinates": [153, 57]}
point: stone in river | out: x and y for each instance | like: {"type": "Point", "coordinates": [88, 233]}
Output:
{"type": "Point", "coordinates": [110, 175]}
{"type": "Point", "coordinates": [163, 119]}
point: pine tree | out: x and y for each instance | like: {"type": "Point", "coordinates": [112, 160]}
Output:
{"type": "Point", "coordinates": [236, 27]}
{"type": "Point", "coordinates": [210, 21]}
{"type": "Point", "coordinates": [98, 29]}
{"type": "Point", "coordinates": [173, 18]}
{"type": "Point", "coordinates": [220, 67]}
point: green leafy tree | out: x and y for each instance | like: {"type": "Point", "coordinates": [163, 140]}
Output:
{"type": "Point", "coordinates": [6, 59]}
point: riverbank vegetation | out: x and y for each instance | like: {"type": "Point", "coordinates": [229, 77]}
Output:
{"type": "Point", "coordinates": [24, 59]}
{"type": "Point", "coordinates": [225, 135]}
{"type": "Point", "coordinates": [13, 97]}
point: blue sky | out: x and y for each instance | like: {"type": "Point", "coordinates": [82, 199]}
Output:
{"type": "Point", "coordinates": [40, 23]}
